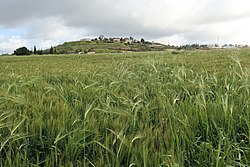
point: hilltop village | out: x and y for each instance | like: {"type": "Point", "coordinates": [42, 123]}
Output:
{"type": "Point", "coordinates": [103, 44]}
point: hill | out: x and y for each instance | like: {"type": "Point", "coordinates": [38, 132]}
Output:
{"type": "Point", "coordinates": [111, 45]}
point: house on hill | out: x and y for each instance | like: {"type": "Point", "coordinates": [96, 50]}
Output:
{"type": "Point", "coordinates": [117, 39]}
{"type": "Point", "coordinates": [89, 53]}
{"type": "Point", "coordinates": [127, 40]}
{"type": "Point", "coordinates": [124, 40]}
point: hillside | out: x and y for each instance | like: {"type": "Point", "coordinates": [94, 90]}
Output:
{"type": "Point", "coordinates": [108, 46]}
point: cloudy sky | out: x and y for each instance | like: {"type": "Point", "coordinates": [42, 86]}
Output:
{"type": "Point", "coordinates": [51, 22]}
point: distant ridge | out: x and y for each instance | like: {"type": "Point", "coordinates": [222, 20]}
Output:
{"type": "Point", "coordinates": [109, 45]}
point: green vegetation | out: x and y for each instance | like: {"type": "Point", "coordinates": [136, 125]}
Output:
{"type": "Point", "coordinates": [108, 46]}
{"type": "Point", "coordinates": [22, 51]}
{"type": "Point", "coordinates": [185, 108]}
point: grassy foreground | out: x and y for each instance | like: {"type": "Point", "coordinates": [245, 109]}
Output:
{"type": "Point", "coordinates": [134, 109]}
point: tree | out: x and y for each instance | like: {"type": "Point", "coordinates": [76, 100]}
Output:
{"type": "Point", "coordinates": [22, 51]}
{"type": "Point", "coordinates": [51, 51]}
{"type": "Point", "coordinates": [131, 39]}
{"type": "Point", "coordinates": [101, 37]}
{"type": "Point", "coordinates": [106, 40]}
{"type": "Point", "coordinates": [142, 40]}
{"type": "Point", "coordinates": [55, 51]}
{"type": "Point", "coordinates": [111, 39]}
{"type": "Point", "coordinates": [40, 52]}
{"type": "Point", "coordinates": [34, 49]}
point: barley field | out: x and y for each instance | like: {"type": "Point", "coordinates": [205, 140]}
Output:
{"type": "Point", "coordinates": [173, 109]}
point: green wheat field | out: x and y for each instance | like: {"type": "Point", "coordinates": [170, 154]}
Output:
{"type": "Point", "coordinates": [172, 108]}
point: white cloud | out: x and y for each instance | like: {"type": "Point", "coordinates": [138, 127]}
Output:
{"type": "Point", "coordinates": [170, 21]}
{"type": "Point", "coordinates": [53, 28]}
{"type": "Point", "coordinates": [7, 45]}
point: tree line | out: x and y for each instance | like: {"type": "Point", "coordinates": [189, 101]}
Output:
{"type": "Point", "coordinates": [25, 51]}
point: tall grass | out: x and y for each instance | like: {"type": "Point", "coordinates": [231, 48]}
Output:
{"type": "Point", "coordinates": [136, 109]}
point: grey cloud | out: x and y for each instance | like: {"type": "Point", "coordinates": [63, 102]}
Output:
{"type": "Point", "coordinates": [146, 18]}
{"type": "Point", "coordinates": [92, 14]}
{"type": "Point", "coordinates": [214, 11]}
